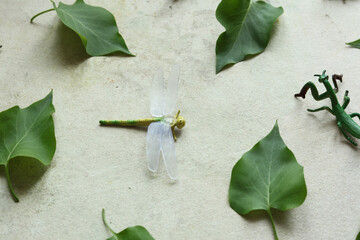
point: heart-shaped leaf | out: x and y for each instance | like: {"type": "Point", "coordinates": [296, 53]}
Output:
{"type": "Point", "coordinates": [355, 44]}
{"type": "Point", "coordinates": [95, 26]}
{"type": "Point", "coordinates": [130, 233]}
{"type": "Point", "coordinates": [248, 26]}
{"type": "Point", "coordinates": [27, 132]}
{"type": "Point", "coordinates": [267, 177]}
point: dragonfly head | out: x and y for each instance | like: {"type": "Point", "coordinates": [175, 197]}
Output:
{"type": "Point", "coordinates": [180, 122]}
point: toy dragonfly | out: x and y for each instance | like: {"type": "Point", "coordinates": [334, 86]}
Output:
{"type": "Point", "coordinates": [160, 134]}
{"type": "Point", "coordinates": [344, 121]}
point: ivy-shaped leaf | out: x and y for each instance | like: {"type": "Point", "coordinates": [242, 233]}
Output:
{"type": "Point", "coordinates": [267, 177]}
{"type": "Point", "coordinates": [130, 233]}
{"type": "Point", "coordinates": [248, 27]}
{"type": "Point", "coordinates": [355, 44]}
{"type": "Point", "coordinates": [95, 26]}
{"type": "Point", "coordinates": [27, 132]}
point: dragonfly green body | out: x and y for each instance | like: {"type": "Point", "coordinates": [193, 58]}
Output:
{"type": "Point", "coordinates": [130, 123]}
{"type": "Point", "coordinates": [344, 120]}
{"type": "Point", "coordinates": [176, 121]}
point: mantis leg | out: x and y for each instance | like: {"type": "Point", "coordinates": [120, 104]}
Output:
{"type": "Point", "coordinates": [345, 134]}
{"type": "Point", "coordinates": [322, 108]}
{"type": "Point", "coordinates": [334, 78]}
{"type": "Point", "coordinates": [314, 92]}
{"type": "Point", "coordinates": [346, 100]}
{"type": "Point", "coordinates": [352, 115]}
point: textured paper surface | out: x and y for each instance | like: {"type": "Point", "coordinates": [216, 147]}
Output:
{"type": "Point", "coordinates": [96, 167]}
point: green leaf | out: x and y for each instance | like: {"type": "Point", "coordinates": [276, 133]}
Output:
{"type": "Point", "coordinates": [355, 44]}
{"type": "Point", "coordinates": [358, 236]}
{"type": "Point", "coordinates": [27, 132]}
{"type": "Point", "coordinates": [130, 233]}
{"type": "Point", "coordinates": [95, 26]}
{"type": "Point", "coordinates": [267, 177]}
{"type": "Point", "coordinates": [248, 26]}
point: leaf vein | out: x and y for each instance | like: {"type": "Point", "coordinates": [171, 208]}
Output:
{"type": "Point", "coordinates": [26, 133]}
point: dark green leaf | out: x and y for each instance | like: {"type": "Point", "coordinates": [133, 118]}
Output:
{"type": "Point", "coordinates": [130, 233]}
{"type": "Point", "coordinates": [27, 132]}
{"type": "Point", "coordinates": [355, 44]}
{"type": "Point", "coordinates": [248, 26]}
{"type": "Point", "coordinates": [95, 26]}
{"type": "Point", "coordinates": [358, 236]}
{"type": "Point", "coordinates": [267, 177]}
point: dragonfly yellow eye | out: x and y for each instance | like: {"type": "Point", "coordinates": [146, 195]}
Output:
{"type": "Point", "coordinates": [180, 122]}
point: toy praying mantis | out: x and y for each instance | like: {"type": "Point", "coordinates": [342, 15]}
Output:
{"type": "Point", "coordinates": [160, 134]}
{"type": "Point", "coordinates": [344, 121]}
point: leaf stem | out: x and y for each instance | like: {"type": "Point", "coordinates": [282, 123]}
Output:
{"type": "Point", "coordinates": [273, 224]}
{"type": "Point", "coordinates": [106, 224]}
{"type": "Point", "coordinates": [10, 185]}
{"type": "Point", "coordinates": [49, 10]}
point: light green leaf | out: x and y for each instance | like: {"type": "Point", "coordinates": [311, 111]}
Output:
{"type": "Point", "coordinates": [355, 44]}
{"type": "Point", "coordinates": [248, 27]}
{"type": "Point", "coordinates": [267, 177]}
{"type": "Point", "coordinates": [130, 233]}
{"type": "Point", "coordinates": [27, 132]}
{"type": "Point", "coordinates": [95, 26]}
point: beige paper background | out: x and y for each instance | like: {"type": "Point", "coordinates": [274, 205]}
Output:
{"type": "Point", "coordinates": [226, 115]}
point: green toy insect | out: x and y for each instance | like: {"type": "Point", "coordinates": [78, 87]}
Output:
{"type": "Point", "coordinates": [344, 121]}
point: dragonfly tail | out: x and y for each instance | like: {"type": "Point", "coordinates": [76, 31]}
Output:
{"type": "Point", "coordinates": [129, 123]}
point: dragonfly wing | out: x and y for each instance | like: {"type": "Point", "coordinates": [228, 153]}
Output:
{"type": "Point", "coordinates": [153, 145]}
{"type": "Point", "coordinates": [170, 95]}
{"type": "Point", "coordinates": [168, 151]}
{"type": "Point", "coordinates": [157, 94]}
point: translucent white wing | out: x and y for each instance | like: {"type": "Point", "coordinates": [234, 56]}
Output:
{"type": "Point", "coordinates": [157, 94]}
{"type": "Point", "coordinates": [171, 92]}
{"type": "Point", "coordinates": [168, 151]}
{"type": "Point", "coordinates": [153, 144]}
